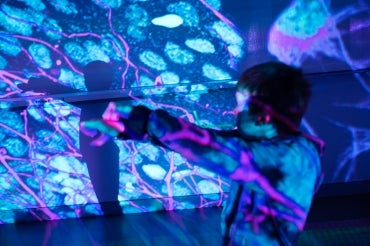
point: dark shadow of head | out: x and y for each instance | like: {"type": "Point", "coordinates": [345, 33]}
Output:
{"type": "Point", "coordinates": [98, 75]}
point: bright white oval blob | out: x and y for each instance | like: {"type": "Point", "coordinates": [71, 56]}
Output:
{"type": "Point", "coordinates": [169, 21]}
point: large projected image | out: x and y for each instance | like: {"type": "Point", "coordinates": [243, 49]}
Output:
{"type": "Point", "coordinates": [61, 62]}
{"type": "Point", "coordinates": [54, 48]}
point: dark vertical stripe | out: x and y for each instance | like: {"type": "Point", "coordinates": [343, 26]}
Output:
{"type": "Point", "coordinates": [231, 216]}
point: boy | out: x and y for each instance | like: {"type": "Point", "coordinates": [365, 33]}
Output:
{"type": "Point", "coordinates": [274, 169]}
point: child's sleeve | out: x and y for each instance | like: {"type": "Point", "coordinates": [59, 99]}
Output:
{"type": "Point", "coordinates": [217, 151]}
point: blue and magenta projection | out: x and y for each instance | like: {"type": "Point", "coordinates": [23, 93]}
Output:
{"type": "Point", "coordinates": [183, 56]}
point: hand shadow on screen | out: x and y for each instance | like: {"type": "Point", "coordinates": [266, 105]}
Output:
{"type": "Point", "coordinates": [102, 162]}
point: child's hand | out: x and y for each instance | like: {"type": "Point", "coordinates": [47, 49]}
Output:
{"type": "Point", "coordinates": [109, 126]}
{"type": "Point", "coordinates": [101, 130]}
{"type": "Point", "coordinates": [115, 112]}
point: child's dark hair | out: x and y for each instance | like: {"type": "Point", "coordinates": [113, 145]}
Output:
{"type": "Point", "coordinates": [280, 89]}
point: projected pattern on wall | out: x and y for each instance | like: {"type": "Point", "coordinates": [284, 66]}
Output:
{"type": "Point", "coordinates": [150, 45]}
{"type": "Point", "coordinates": [179, 45]}
{"type": "Point", "coordinates": [307, 30]}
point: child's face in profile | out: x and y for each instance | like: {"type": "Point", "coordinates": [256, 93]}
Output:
{"type": "Point", "coordinates": [249, 124]}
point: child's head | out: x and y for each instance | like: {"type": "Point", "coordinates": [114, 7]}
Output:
{"type": "Point", "coordinates": [277, 93]}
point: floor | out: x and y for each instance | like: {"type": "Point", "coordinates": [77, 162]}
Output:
{"type": "Point", "coordinates": [185, 227]}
